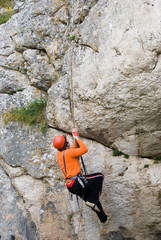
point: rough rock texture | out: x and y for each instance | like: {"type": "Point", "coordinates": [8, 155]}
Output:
{"type": "Point", "coordinates": [97, 63]}
{"type": "Point", "coordinates": [131, 193]}
{"type": "Point", "coordinates": [113, 69]}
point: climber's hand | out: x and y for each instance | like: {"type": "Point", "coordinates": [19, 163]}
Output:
{"type": "Point", "coordinates": [75, 133]}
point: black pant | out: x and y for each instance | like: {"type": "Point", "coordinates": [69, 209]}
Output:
{"type": "Point", "coordinates": [91, 192]}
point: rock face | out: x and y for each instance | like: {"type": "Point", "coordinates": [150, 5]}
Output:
{"type": "Point", "coordinates": [97, 63]}
{"type": "Point", "coordinates": [115, 73]}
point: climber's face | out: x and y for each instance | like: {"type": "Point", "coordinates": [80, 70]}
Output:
{"type": "Point", "coordinates": [68, 143]}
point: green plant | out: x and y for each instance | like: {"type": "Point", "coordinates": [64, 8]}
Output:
{"type": "Point", "coordinates": [126, 156]}
{"type": "Point", "coordinates": [72, 37]}
{"type": "Point", "coordinates": [5, 17]}
{"type": "Point", "coordinates": [99, 14]}
{"type": "Point", "coordinates": [6, 3]}
{"type": "Point", "coordinates": [44, 126]}
{"type": "Point", "coordinates": [157, 160]}
{"type": "Point", "coordinates": [32, 114]}
{"type": "Point", "coordinates": [146, 165]}
{"type": "Point", "coordinates": [116, 152]}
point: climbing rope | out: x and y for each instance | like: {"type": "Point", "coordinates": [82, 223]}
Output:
{"type": "Point", "coordinates": [71, 87]}
{"type": "Point", "coordinates": [74, 123]}
{"type": "Point", "coordinates": [80, 218]}
{"type": "Point", "coordinates": [72, 106]}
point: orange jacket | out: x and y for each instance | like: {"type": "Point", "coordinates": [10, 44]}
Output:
{"type": "Point", "coordinates": [73, 166]}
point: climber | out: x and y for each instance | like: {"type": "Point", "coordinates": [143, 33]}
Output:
{"type": "Point", "coordinates": [88, 187]}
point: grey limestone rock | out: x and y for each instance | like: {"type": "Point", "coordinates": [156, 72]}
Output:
{"type": "Point", "coordinates": [115, 77]}
{"type": "Point", "coordinates": [97, 63]}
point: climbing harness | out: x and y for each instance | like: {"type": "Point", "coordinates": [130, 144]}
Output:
{"type": "Point", "coordinates": [81, 179]}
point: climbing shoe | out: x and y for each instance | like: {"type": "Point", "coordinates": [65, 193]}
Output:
{"type": "Point", "coordinates": [104, 218]}
{"type": "Point", "coordinates": [93, 206]}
